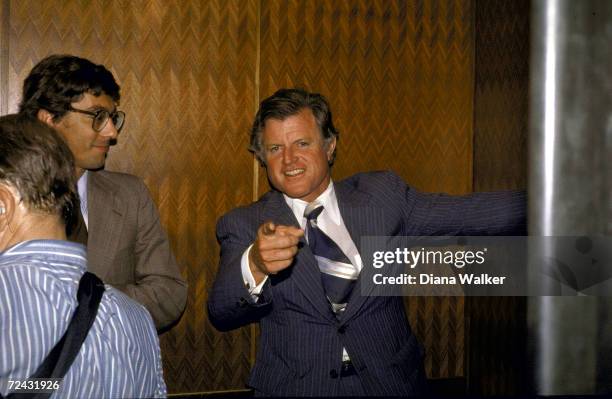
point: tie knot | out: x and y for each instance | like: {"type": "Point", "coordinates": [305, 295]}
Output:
{"type": "Point", "coordinates": [313, 210]}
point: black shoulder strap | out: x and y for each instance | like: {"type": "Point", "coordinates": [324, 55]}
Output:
{"type": "Point", "coordinates": [61, 357]}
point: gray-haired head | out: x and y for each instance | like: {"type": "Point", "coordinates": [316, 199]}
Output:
{"type": "Point", "coordinates": [38, 164]}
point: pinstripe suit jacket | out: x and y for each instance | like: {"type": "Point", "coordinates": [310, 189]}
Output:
{"type": "Point", "coordinates": [301, 340]}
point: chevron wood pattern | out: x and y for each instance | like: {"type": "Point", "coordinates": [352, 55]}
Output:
{"type": "Point", "coordinates": [440, 324]}
{"type": "Point", "coordinates": [498, 325]}
{"type": "Point", "coordinates": [501, 94]}
{"type": "Point", "coordinates": [400, 75]}
{"type": "Point", "coordinates": [4, 55]}
{"type": "Point", "coordinates": [187, 71]}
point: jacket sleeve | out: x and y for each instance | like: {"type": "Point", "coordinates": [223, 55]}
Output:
{"type": "Point", "coordinates": [158, 285]}
{"type": "Point", "coordinates": [477, 214]}
{"type": "Point", "coordinates": [229, 303]}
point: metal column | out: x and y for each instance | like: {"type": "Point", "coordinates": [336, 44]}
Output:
{"type": "Point", "coordinates": [571, 182]}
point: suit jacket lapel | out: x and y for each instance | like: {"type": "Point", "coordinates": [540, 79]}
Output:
{"type": "Point", "coordinates": [305, 270]}
{"type": "Point", "coordinates": [361, 219]}
{"type": "Point", "coordinates": [105, 211]}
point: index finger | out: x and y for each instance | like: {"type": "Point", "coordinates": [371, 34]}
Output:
{"type": "Point", "coordinates": [290, 230]}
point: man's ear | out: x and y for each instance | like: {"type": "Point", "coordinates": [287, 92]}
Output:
{"type": "Point", "coordinates": [8, 202]}
{"type": "Point", "coordinates": [46, 117]}
{"type": "Point", "coordinates": [331, 146]}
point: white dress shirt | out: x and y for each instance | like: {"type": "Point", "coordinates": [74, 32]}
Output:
{"type": "Point", "coordinates": [82, 189]}
{"type": "Point", "coordinates": [329, 221]}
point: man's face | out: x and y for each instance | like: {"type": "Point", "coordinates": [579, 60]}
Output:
{"type": "Point", "coordinates": [297, 160]}
{"type": "Point", "coordinates": [88, 146]}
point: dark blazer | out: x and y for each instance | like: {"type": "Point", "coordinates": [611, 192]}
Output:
{"type": "Point", "coordinates": [301, 340]}
{"type": "Point", "coordinates": [128, 248]}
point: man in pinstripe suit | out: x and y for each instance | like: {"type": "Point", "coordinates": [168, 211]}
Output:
{"type": "Point", "coordinates": [268, 270]}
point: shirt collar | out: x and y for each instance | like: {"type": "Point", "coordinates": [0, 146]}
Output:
{"type": "Point", "coordinates": [327, 199]}
{"type": "Point", "coordinates": [68, 258]}
{"type": "Point", "coordinates": [82, 186]}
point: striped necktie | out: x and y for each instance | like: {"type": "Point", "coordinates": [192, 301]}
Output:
{"type": "Point", "coordinates": [337, 272]}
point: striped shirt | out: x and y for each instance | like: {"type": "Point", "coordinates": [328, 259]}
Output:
{"type": "Point", "coordinates": [38, 283]}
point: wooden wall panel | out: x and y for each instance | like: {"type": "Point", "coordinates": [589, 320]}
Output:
{"type": "Point", "coordinates": [501, 94]}
{"type": "Point", "coordinates": [187, 71]}
{"type": "Point", "coordinates": [398, 74]}
{"type": "Point", "coordinates": [4, 55]}
{"type": "Point", "coordinates": [399, 77]}
{"type": "Point", "coordinates": [412, 87]}
{"type": "Point", "coordinates": [440, 325]}
{"type": "Point", "coordinates": [497, 341]}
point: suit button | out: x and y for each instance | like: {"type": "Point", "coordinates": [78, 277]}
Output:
{"type": "Point", "coordinates": [342, 329]}
{"type": "Point", "coordinates": [243, 302]}
{"type": "Point", "coordinates": [333, 374]}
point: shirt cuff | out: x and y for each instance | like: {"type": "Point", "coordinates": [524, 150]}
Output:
{"type": "Point", "coordinates": [247, 276]}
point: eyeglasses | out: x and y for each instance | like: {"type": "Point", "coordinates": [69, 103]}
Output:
{"type": "Point", "coordinates": [101, 117]}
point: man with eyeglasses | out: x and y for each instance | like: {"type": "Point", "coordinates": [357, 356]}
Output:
{"type": "Point", "coordinates": [126, 244]}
